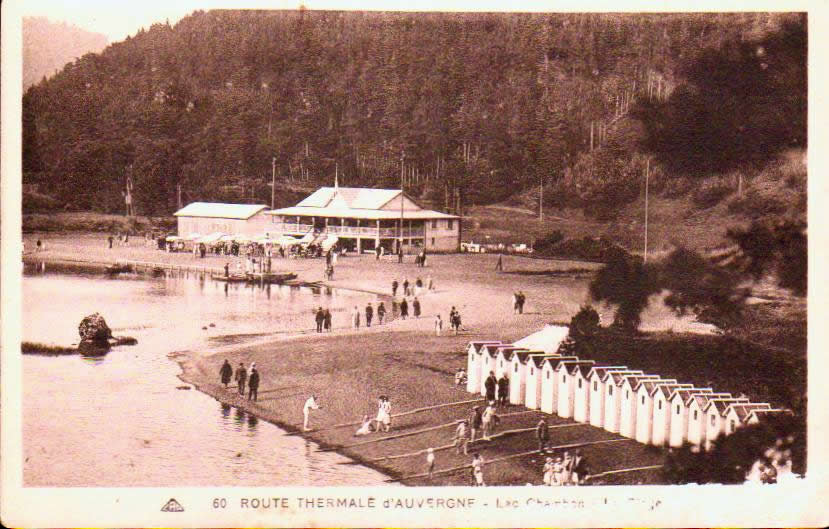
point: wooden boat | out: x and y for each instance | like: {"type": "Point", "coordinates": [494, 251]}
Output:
{"type": "Point", "coordinates": [118, 268]}
{"type": "Point", "coordinates": [255, 278]}
{"type": "Point", "coordinates": [230, 279]}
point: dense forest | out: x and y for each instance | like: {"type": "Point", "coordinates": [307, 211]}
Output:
{"type": "Point", "coordinates": [464, 108]}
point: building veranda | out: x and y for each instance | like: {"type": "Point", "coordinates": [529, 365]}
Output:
{"type": "Point", "coordinates": [366, 219]}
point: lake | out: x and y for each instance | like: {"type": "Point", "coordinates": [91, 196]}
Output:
{"type": "Point", "coordinates": [120, 420]}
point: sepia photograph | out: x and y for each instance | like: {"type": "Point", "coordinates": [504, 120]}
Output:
{"type": "Point", "coordinates": [385, 249]}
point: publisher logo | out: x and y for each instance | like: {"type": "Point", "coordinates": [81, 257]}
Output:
{"type": "Point", "coordinates": [172, 506]}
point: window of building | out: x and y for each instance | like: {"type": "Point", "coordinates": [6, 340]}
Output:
{"type": "Point", "coordinates": [713, 419]}
{"type": "Point", "coordinates": [434, 224]}
{"type": "Point", "coordinates": [643, 399]}
{"type": "Point", "coordinates": [579, 383]}
{"type": "Point", "coordinates": [659, 406]}
{"type": "Point", "coordinates": [695, 415]}
{"type": "Point", "coordinates": [433, 241]}
{"type": "Point", "coordinates": [627, 395]}
{"type": "Point", "coordinates": [731, 426]}
{"type": "Point", "coordinates": [610, 390]}
{"type": "Point", "coordinates": [450, 223]}
{"type": "Point", "coordinates": [564, 378]}
{"type": "Point", "coordinates": [548, 375]}
{"type": "Point", "coordinates": [532, 371]}
{"type": "Point", "coordinates": [515, 368]}
{"type": "Point", "coordinates": [595, 386]}
{"type": "Point", "coordinates": [677, 409]}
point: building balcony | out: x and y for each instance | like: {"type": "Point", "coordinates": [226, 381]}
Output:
{"type": "Point", "coordinates": [288, 228]}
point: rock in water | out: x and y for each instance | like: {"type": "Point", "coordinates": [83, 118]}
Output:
{"type": "Point", "coordinates": [94, 328]}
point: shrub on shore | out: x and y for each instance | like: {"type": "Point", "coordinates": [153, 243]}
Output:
{"type": "Point", "coordinates": [35, 348]}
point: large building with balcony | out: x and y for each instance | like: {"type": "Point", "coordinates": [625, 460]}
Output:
{"type": "Point", "coordinates": [365, 219]}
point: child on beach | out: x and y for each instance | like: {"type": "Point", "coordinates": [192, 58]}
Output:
{"type": "Point", "coordinates": [430, 461]}
{"type": "Point", "coordinates": [438, 325]}
{"type": "Point", "coordinates": [366, 428]}
{"type": "Point", "coordinates": [460, 377]}
{"type": "Point", "coordinates": [557, 476]}
{"type": "Point", "coordinates": [310, 404]}
{"type": "Point", "coordinates": [478, 470]}
{"type": "Point", "coordinates": [384, 414]}
{"type": "Point", "coordinates": [461, 438]}
{"type": "Point", "coordinates": [548, 471]}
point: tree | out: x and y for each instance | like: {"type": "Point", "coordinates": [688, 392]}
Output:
{"type": "Point", "coordinates": [583, 327]}
{"type": "Point", "coordinates": [626, 282]}
{"type": "Point", "coordinates": [780, 248]}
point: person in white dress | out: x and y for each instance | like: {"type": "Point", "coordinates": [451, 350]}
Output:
{"type": "Point", "coordinates": [548, 471]}
{"type": "Point", "coordinates": [384, 414]}
{"type": "Point", "coordinates": [557, 474]}
{"type": "Point", "coordinates": [365, 428]}
{"type": "Point", "coordinates": [438, 325]}
{"type": "Point", "coordinates": [310, 404]}
{"type": "Point", "coordinates": [430, 462]}
{"type": "Point", "coordinates": [478, 470]}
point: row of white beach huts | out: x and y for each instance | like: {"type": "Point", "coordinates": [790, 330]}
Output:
{"type": "Point", "coordinates": [644, 407]}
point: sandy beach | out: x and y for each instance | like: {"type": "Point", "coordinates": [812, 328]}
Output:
{"type": "Point", "coordinates": [348, 369]}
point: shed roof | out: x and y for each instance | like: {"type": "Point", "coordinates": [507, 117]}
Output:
{"type": "Point", "coordinates": [478, 345]}
{"type": "Point", "coordinates": [600, 371]}
{"type": "Point", "coordinates": [742, 410]}
{"type": "Point", "coordinates": [372, 214]}
{"type": "Point", "coordinates": [722, 404]}
{"type": "Point", "coordinates": [218, 210]}
{"type": "Point", "coordinates": [668, 389]}
{"type": "Point", "coordinates": [685, 393]}
{"type": "Point", "coordinates": [703, 399]}
{"type": "Point", "coordinates": [555, 361]}
{"type": "Point", "coordinates": [634, 380]}
{"type": "Point", "coordinates": [758, 414]}
{"type": "Point", "coordinates": [547, 339]}
{"type": "Point", "coordinates": [618, 376]}
{"type": "Point", "coordinates": [354, 197]}
{"type": "Point", "coordinates": [579, 366]}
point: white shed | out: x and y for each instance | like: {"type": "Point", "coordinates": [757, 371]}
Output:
{"type": "Point", "coordinates": [613, 398]}
{"type": "Point", "coordinates": [696, 418]}
{"type": "Point", "coordinates": [582, 394]}
{"type": "Point", "coordinates": [714, 412]}
{"type": "Point", "coordinates": [518, 376]}
{"type": "Point", "coordinates": [533, 381]}
{"type": "Point", "coordinates": [679, 401]}
{"type": "Point", "coordinates": [627, 416]}
{"type": "Point", "coordinates": [596, 405]}
{"type": "Point", "coordinates": [566, 375]}
{"type": "Point", "coordinates": [661, 411]}
{"type": "Point", "coordinates": [503, 359]}
{"type": "Point", "coordinates": [646, 407]}
{"type": "Point", "coordinates": [473, 368]}
{"type": "Point", "coordinates": [549, 382]}
{"type": "Point", "coordinates": [487, 361]}
{"type": "Point", "coordinates": [736, 415]}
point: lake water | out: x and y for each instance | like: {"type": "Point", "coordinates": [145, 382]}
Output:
{"type": "Point", "coordinates": [120, 420]}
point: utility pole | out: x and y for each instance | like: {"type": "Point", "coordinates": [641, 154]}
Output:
{"type": "Point", "coordinates": [541, 200]}
{"type": "Point", "coordinates": [647, 177]}
{"type": "Point", "coordinates": [273, 181]}
{"type": "Point", "coordinates": [402, 157]}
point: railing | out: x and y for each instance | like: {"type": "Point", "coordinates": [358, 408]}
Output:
{"type": "Point", "coordinates": [346, 231]}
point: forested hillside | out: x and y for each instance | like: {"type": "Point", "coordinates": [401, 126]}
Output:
{"type": "Point", "coordinates": [48, 46]}
{"type": "Point", "coordinates": [467, 108]}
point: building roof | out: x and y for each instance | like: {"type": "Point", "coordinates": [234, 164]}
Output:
{"type": "Point", "coordinates": [491, 348]}
{"type": "Point", "coordinates": [547, 339]}
{"type": "Point", "coordinates": [703, 399]}
{"type": "Point", "coordinates": [478, 345]}
{"type": "Point", "coordinates": [579, 366]}
{"type": "Point", "coordinates": [722, 404]}
{"type": "Point", "coordinates": [757, 414]}
{"type": "Point", "coordinates": [634, 380]}
{"type": "Point", "coordinates": [600, 371]}
{"type": "Point", "coordinates": [685, 393]}
{"type": "Point", "coordinates": [668, 389]}
{"type": "Point", "coordinates": [555, 361]}
{"type": "Point", "coordinates": [356, 202]}
{"type": "Point", "coordinates": [744, 409]}
{"type": "Point", "coordinates": [218, 210]}
{"type": "Point", "coordinates": [617, 377]}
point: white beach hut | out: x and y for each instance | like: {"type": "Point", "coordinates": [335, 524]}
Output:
{"type": "Point", "coordinates": [596, 405]}
{"type": "Point", "coordinates": [582, 393]}
{"type": "Point", "coordinates": [473, 368]}
{"type": "Point", "coordinates": [736, 415]}
{"type": "Point", "coordinates": [503, 359]}
{"type": "Point", "coordinates": [549, 382]}
{"type": "Point", "coordinates": [566, 375]}
{"type": "Point", "coordinates": [532, 397]}
{"type": "Point", "coordinates": [627, 416]}
{"type": "Point", "coordinates": [714, 413]}
{"type": "Point", "coordinates": [661, 411]}
{"type": "Point", "coordinates": [679, 401]}
{"type": "Point", "coordinates": [518, 376]}
{"type": "Point", "coordinates": [696, 419]}
{"type": "Point", "coordinates": [487, 362]}
{"type": "Point", "coordinates": [613, 397]}
{"type": "Point", "coordinates": [646, 407]}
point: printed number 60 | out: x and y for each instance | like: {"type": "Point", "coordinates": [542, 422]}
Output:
{"type": "Point", "coordinates": [219, 503]}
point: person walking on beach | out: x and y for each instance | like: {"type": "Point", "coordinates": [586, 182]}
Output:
{"type": "Point", "coordinates": [461, 438]}
{"type": "Point", "coordinates": [319, 317]}
{"type": "Point", "coordinates": [381, 313]}
{"type": "Point", "coordinates": [490, 384]}
{"type": "Point", "coordinates": [430, 461]}
{"type": "Point", "coordinates": [326, 319]}
{"type": "Point", "coordinates": [377, 254]}
{"type": "Point", "coordinates": [489, 420]}
{"type": "Point", "coordinates": [227, 269]}
{"type": "Point", "coordinates": [404, 309]}
{"type": "Point", "coordinates": [394, 286]}
{"type": "Point", "coordinates": [310, 404]}
{"type": "Point", "coordinates": [416, 307]}
{"type": "Point", "coordinates": [503, 390]}
{"type": "Point", "coordinates": [395, 308]}
{"type": "Point", "coordinates": [542, 434]}
{"type": "Point", "coordinates": [438, 325]}
{"type": "Point", "coordinates": [515, 302]}
{"type": "Point", "coordinates": [406, 291]}
{"type": "Point", "coordinates": [241, 378]}
{"type": "Point", "coordinates": [226, 373]}
{"type": "Point", "coordinates": [521, 299]}
{"type": "Point", "coordinates": [356, 317]}
{"type": "Point", "coordinates": [499, 266]}
{"type": "Point", "coordinates": [430, 285]}
{"type": "Point", "coordinates": [478, 470]}
{"type": "Point", "coordinates": [110, 239]}
{"type": "Point", "coordinates": [369, 314]}
{"type": "Point", "coordinates": [400, 254]}
{"type": "Point", "coordinates": [253, 383]}
{"type": "Point", "coordinates": [475, 422]}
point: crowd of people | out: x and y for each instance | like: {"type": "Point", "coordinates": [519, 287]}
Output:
{"type": "Point", "coordinates": [243, 378]}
